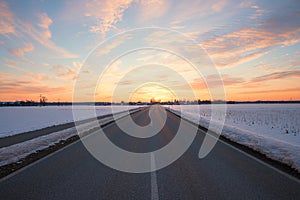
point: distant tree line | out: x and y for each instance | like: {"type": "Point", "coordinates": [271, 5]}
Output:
{"type": "Point", "coordinates": [43, 102]}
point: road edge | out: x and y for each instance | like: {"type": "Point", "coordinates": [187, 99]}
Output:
{"type": "Point", "coordinates": [11, 169]}
{"type": "Point", "coordinates": [284, 168]}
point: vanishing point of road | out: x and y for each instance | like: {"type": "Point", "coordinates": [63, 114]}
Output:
{"type": "Point", "coordinates": [226, 173]}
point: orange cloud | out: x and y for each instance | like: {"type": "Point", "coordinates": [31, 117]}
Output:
{"type": "Point", "coordinates": [20, 51]}
{"type": "Point", "coordinates": [14, 87]}
{"type": "Point", "coordinates": [277, 91]}
{"type": "Point", "coordinates": [292, 93]}
{"type": "Point", "coordinates": [267, 94]}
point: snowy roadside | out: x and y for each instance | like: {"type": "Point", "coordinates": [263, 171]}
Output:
{"type": "Point", "coordinates": [274, 148]}
{"type": "Point", "coordinates": [16, 120]}
{"type": "Point", "coordinates": [17, 152]}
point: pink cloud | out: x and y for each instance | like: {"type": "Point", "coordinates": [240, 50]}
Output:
{"type": "Point", "coordinates": [244, 45]}
{"type": "Point", "coordinates": [245, 4]}
{"type": "Point", "coordinates": [258, 13]}
{"type": "Point", "coordinates": [255, 6]}
{"type": "Point", "coordinates": [214, 81]}
{"type": "Point", "coordinates": [219, 6]}
{"type": "Point", "coordinates": [64, 72]}
{"type": "Point", "coordinates": [277, 75]}
{"type": "Point", "coordinates": [45, 22]}
{"type": "Point", "coordinates": [152, 9]}
{"type": "Point", "coordinates": [105, 13]}
{"type": "Point", "coordinates": [20, 28]}
{"type": "Point", "coordinates": [6, 20]}
{"type": "Point", "coordinates": [43, 37]}
{"type": "Point", "coordinates": [233, 48]}
{"type": "Point", "coordinates": [21, 51]}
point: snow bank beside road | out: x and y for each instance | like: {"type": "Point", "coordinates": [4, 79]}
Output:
{"type": "Point", "coordinates": [14, 153]}
{"type": "Point", "coordinates": [15, 120]}
{"type": "Point", "coordinates": [271, 129]}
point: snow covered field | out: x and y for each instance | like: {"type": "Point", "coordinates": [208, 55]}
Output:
{"type": "Point", "coordinates": [14, 120]}
{"type": "Point", "coordinates": [16, 152]}
{"type": "Point", "coordinates": [272, 129]}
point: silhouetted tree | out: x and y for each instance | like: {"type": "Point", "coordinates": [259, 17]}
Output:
{"type": "Point", "coordinates": [43, 100]}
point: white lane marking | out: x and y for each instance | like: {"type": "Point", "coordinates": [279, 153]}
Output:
{"type": "Point", "coordinates": [154, 187]}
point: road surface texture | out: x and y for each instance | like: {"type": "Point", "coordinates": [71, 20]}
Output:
{"type": "Point", "coordinates": [226, 173]}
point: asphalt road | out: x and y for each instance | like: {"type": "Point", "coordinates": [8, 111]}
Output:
{"type": "Point", "coordinates": [226, 173]}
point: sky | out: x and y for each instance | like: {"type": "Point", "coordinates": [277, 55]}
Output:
{"type": "Point", "coordinates": [85, 50]}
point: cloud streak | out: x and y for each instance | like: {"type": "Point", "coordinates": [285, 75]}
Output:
{"type": "Point", "coordinates": [64, 72]}
{"type": "Point", "coordinates": [276, 75]}
{"type": "Point", "coordinates": [45, 22]}
{"type": "Point", "coordinates": [9, 24]}
{"type": "Point", "coordinates": [6, 20]}
{"type": "Point", "coordinates": [43, 36]}
{"type": "Point", "coordinates": [105, 14]}
{"type": "Point", "coordinates": [249, 43]}
{"type": "Point", "coordinates": [21, 51]}
{"type": "Point", "coordinates": [19, 87]}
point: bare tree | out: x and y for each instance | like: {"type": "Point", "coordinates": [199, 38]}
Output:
{"type": "Point", "coordinates": [43, 100]}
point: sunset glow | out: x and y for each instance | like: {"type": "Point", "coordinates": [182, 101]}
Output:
{"type": "Point", "coordinates": [255, 46]}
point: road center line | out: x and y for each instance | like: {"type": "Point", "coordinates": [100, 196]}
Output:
{"type": "Point", "coordinates": [154, 187]}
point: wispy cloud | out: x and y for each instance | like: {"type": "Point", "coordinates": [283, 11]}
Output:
{"type": "Point", "coordinates": [105, 14]}
{"type": "Point", "coordinates": [295, 89]}
{"type": "Point", "coordinates": [21, 51]}
{"type": "Point", "coordinates": [246, 44]}
{"type": "Point", "coordinates": [258, 13]}
{"type": "Point", "coordinates": [218, 6]}
{"type": "Point", "coordinates": [255, 38]}
{"type": "Point", "coordinates": [9, 24]}
{"type": "Point", "coordinates": [276, 75]}
{"type": "Point", "coordinates": [196, 9]}
{"type": "Point", "coordinates": [44, 23]}
{"type": "Point", "coordinates": [15, 87]}
{"type": "Point", "coordinates": [43, 36]}
{"type": "Point", "coordinates": [216, 81]}
{"type": "Point", "coordinates": [6, 20]}
{"type": "Point", "coordinates": [152, 9]}
{"type": "Point", "coordinates": [106, 48]}
{"type": "Point", "coordinates": [64, 72]}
